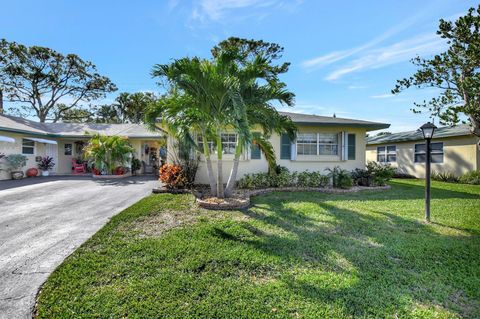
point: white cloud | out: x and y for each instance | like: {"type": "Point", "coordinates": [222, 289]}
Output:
{"type": "Point", "coordinates": [205, 11]}
{"type": "Point", "coordinates": [382, 96]}
{"type": "Point", "coordinates": [216, 10]}
{"type": "Point", "coordinates": [336, 56]}
{"type": "Point", "coordinates": [357, 87]}
{"type": "Point", "coordinates": [402, 51]}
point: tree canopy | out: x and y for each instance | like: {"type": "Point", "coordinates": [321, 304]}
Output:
{"type": "Point", "coordinates": [456, 72]}
{"type": "Point", "coordinates": [38, 81]}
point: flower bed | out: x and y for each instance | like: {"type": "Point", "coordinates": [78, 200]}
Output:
{"type": "Point", "coordinates": [241, 198]}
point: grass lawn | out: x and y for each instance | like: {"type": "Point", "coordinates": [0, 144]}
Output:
{"type": "Point", "coordinates": [291, 255]}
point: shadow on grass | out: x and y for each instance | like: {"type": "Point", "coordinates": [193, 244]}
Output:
{"type": "Point", "coordinates": [385, 265]}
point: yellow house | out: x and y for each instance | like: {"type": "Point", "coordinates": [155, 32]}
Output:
{"type": "Point", "coordinates": [454, 149]}
{"type": "Point", "coordinates": [322, 142]}
{"type": "Point", "coordinates": [64, 141]}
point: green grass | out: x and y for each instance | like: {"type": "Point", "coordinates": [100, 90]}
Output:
{"type": "Point", "coordinates": [292, 255]}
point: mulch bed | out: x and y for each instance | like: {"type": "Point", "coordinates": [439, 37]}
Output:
{"type": "Point", "coordinates": [241, 197]}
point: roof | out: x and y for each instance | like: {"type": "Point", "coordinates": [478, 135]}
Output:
{"type": "Point", "coordinates": [21, 125]}
{"type": "Point", "coordinates": [446, 131]}
{"type": "Point", "coordinates": [333, 121]}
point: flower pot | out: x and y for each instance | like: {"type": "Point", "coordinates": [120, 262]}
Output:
{"type": "Point", "coordinates": [32, 172]}
{"type": "Point", "coordinates": [45, 173]}
{"type": "Point", "coordinates": [17, 175]}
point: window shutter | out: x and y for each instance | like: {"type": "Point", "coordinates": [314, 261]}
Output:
{"type": "Point", "coordinates": [255, 151]}
{"type": "Point", "coordinates": [285, 147]}
{"type": "Point", "coordinates": [351, 146]}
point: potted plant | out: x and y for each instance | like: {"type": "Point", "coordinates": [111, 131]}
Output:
{"type": "Point", "coordinates": [46, 164]}
{"type": "Point", "coordinates": [15, 163]}
{"type": "Point", "coordinates": [136, 165]}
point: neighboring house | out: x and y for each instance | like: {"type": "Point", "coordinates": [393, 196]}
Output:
{"type": "Point", "coordinates": [454, 149]}
{"type": "Point", "coordinates": [322, 142]}
{"type": "Point", "coordinates": [65, 141]}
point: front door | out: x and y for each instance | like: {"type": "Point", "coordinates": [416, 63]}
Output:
{"type": "Point", "coordinates": [52, 151]}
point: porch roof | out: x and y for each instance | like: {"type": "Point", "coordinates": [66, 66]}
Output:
{"type": "Point", "coordinates": [21, 125]}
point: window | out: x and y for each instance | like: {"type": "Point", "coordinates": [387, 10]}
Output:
{"type": "Point", "coordinates": [229, 142]}
{"type": "Point", "coordinates": [328, 144]}
{"type": "Point", "coordinates": [317, 144]}
{"type": "Point", "coordinates": [255, 151]}
{"type": "Point", "coordinates": [436, 153]}
{"type": "Point", "coordinates": [387, 154]}
{"type": "Point", "coordinates": [68, 149]}
{"type": "Point", "coordinates": [200, 144]}
{"type": "Point", "coordinates": [351, 146]}
{"type": "Point", "coordinates": [307, 144]}
{"type": "Point", "coordinates": [28, 147]}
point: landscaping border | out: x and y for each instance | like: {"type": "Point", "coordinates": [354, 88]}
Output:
{"type": "Point", "coordinates": [234, 203]}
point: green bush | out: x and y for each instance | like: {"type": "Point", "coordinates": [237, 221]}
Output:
{"type": "Point", "coordinates": [381, 173]}
{"type": "Point", "coordinates": [448, 177]}
{"type": "Point", "coordinates": [472, 177]}
{"type": "Point", "coordinates": [15, 161]}
{"type": "Point", "coordinates": [283, 179]}
{"type": "Point", "coordinates": [341, 178]}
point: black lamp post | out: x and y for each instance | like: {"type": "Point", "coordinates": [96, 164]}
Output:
{"type": "Point", "coordinates": [427, 129]}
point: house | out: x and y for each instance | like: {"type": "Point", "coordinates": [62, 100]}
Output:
{"type": "Point", "coordinates": [322, 142]}
{"type": "Point", "coordinates": [65, 141]}
{"type": "Point", "coordinates": [454, 149]}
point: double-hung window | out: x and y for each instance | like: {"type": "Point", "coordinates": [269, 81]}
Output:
{"type": "Point", "coordinates": [387, 154]}
{"type": "Point", "coordinates": [229, 143]}
{"type": "Point", "coordinates": [28, 147]}
{"type": "Point", "coordinates": [317, 144]}
{"type": "Point", "coordinates": [307, 144]}
{"type": "Point", "coordinates": [327, 144]}
{"type": "Point", "coordinates": [436, 153]}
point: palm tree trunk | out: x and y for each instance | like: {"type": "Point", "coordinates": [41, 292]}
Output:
{"type": "Point", "coordinates": [220, 192]}
{"type": "Point", "coordinates": [211, 178]}
{"type": "Point", "coordinates": [233, 172]}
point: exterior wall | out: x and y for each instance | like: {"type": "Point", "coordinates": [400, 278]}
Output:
{"type": "Point", "coordinates": [63, 163]}
{"type": "Point", "coordinates": [301, 163]}
{"type": "Point", "coordinates": [460, 155]}
{"type": "Point", "coordinates": [16, 148]}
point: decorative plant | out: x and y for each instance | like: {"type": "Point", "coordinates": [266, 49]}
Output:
{"type": "Point", "coordinates": [472, 177]}
{"type": "Point", "coordinates": [136, 165]}
{"type": "Point", "coordinates": [16, 161]}
{"type": "Point", "coordinates": [46, 163]}
{"type": "Point", "coordinates": [448, 177]}
{"type": "Point", "coordinates": [172, 176]}
{"type": "Point", "coordinates": [108, 152]}
{"type": "Point", "coordinates": [341, 178]}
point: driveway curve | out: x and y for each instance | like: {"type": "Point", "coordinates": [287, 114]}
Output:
{"type": "Point", "coordinates": [44, 220]}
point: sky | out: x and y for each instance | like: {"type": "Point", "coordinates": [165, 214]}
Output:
{"type": "Point", "coordinates": [345, 55]}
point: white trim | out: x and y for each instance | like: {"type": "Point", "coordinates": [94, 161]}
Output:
{"type": "Point", "coordinates": [41, 140]}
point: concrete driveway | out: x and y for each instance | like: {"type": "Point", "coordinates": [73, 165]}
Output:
{"type": "Point", "coordinates": [44, 220]}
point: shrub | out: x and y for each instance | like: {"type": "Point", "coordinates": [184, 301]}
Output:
{"type": "Point", "coordinates": [362, 177]}
{"type": "Point", "coordinates": [381, 173]}
{"type": "Point", "coordinates": [172, 176]}
{"type": "Point", "coordinates": [341, 178]}
{"type": "Point", "coordinates": [283, 179]}
{"type": "Point", "coordinates": [472, 177]}
{"type": "Point", "coordinates": [448, 177]}
{"type": "Point", "coordinates": [15, 161]}
{"type": "Point", "coordinates": [403, 175]}
{"type": "Point", "coordinates": [135, 165]}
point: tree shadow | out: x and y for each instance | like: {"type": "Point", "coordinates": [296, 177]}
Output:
{"type": "Point", "coordinates": [386, 265]}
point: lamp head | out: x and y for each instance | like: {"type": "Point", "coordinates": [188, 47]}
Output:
{"type": "Point", "coordinates": [428, 129]}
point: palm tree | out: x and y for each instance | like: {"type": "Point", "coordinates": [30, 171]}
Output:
{"type": "Point", "coordinates": [197, 81]}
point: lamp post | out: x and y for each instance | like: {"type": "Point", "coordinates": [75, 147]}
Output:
{"type": "Point", "coordinates": [427, 129]}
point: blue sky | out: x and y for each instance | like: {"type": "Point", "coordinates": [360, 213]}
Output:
{"type": "Point", "coordinates": [346, 55]}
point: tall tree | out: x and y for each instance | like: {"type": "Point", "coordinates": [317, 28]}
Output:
{"type": "Point", "coordinates": [227, 95]}
{"type": "Point", "coordinates": [456, 72]}
{"type": "Point", "coordinates": [37, 79]}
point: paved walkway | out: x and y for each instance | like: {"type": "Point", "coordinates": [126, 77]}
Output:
{"type": "Point", "coordinates": [44, 220]}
